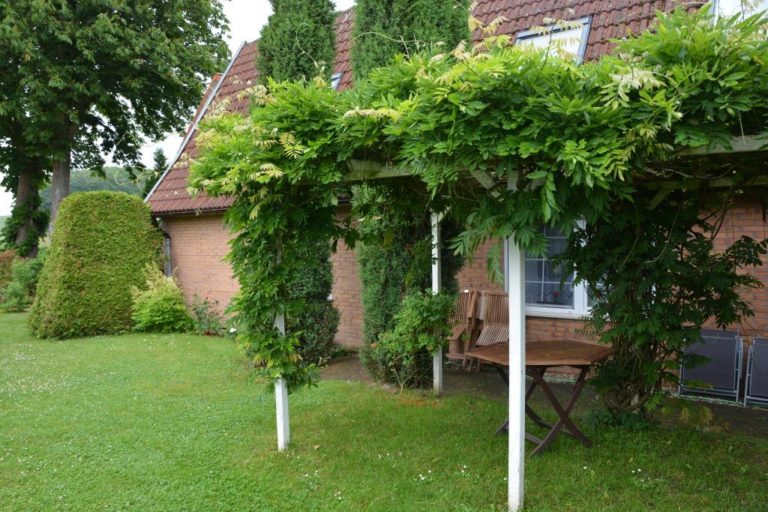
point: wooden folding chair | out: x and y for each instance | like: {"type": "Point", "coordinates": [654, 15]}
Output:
{"type": "Point", "coordinates": [493, 323]}
{"type": "Point", "coordinates": [462, 323]}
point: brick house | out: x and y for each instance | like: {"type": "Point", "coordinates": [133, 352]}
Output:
{"type": "Point", "coordinates": [198, 238]}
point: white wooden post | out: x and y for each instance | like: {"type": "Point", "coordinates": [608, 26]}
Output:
{"type": "Point", "coordinates": [515, 278]}
{"type": "Point", "coordinates": [281, 399]}
{"type": "Point", "coordinates": [514, 282]}
{"type": "Point", "coordinates": [437, 357]}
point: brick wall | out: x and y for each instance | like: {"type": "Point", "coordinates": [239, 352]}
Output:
{"type": "Point", "coordinates": [746, 219]}
{"type": "Point", "coordinates": [198, 245]}
{"type": "Point", "coordinates": [347, 297]}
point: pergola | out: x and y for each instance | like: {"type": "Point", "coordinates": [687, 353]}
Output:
{"type": "Point", "coordinates": [489, 119]}
{"type": "Point", "coordinates": [361, 171]}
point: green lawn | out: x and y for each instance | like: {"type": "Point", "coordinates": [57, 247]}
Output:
{"type": "Point", "coordinates": [166, 423]}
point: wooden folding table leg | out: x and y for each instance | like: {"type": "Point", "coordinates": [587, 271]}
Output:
{"type": "Point", "coordinates": [528, 410]}
{"type": "Point", "coordinates": [563, 413]}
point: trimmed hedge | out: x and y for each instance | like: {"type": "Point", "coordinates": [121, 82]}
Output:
{"type": "Point", "coordinates": [101, 243]}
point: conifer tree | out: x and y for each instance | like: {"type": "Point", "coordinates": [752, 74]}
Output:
{"type": "Point", "coordinates": [384, 28]}
{"type": "Point", "coordinates": [298, 41]}
{"type": "Point", "coordinates": [395, 255]}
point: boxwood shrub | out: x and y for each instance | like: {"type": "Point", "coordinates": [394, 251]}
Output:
{"type": "Point", "coordinates": [101, 243]}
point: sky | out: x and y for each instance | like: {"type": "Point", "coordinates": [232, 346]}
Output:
{"type": "Point", "coordinates": [246, 17]}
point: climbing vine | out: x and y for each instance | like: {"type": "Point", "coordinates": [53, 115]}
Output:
{"type": "Point", "coordinates": [550, 141]}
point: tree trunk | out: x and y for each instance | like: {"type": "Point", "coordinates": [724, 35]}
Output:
{"type": "Point", "coordinates": [25, 194]}
{"type": "Point", "coordinates": [59, 186]}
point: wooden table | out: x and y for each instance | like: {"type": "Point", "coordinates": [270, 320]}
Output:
{"type": "Point", "coordinates": [539, 357]}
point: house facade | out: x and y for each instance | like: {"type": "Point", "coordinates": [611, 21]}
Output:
{"type": "Point", "coordinates": [198, 238]}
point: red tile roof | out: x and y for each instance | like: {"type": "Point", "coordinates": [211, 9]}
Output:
{"type": "Point", "coordinates": [611, 19]}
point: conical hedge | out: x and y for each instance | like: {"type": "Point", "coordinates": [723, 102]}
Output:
{"type": "Point", "coordinates": [100, 245]}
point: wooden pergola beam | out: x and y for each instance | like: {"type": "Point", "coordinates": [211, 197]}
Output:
{"type": "Point", "coordinates": [670, 185]}
{"type": "Point", "coordinates": [739, 144]}
{"type": "Point", "coordinates": [363, 170]}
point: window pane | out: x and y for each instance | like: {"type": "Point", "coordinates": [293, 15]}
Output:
{"type": "Point", "coordinates": [554, 294]}
{"type": "Point", "coordinates": [533, 270]}
{"type": "Point", "coordinates": [555, 273]}
{"type": "Point", "coordinates": [542, 277]}
{"type": "Point", "coordinates": [556, 245]}
{"type": "Point", "coordinates": [533, 293]}
{"type": "Point", "coordinates": [557, 42]}
{"type": "Point", "coordinates": [746, 7]}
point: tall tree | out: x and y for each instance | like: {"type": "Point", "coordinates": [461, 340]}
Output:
{"type": "Point", "coordinates": [160, 164]}
{"type": "Point", "coordinates": [384, 28]}
{"type": "Point", "coordinates": [85, 79]}
{"type": "Point", "coordinates": [298, 41]}
{"type": "Point", "coordinates": [23, 174]}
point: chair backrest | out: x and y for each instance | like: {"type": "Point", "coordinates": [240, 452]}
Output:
{"type": "Point", "coordinates": [722, 372]}
{"type": "Point", "coordinates": [494, 318]}
{"type": "Point", "coordinates": [462, 310]}
{"type": "Point", "coordinates": [757, 373]}
{"type": "Point", "coordinates": [494, 308]}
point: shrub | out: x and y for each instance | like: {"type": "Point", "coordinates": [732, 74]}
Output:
{"type": "Point", "coordinates": [316, 328]}
{"type": "Point", "coordinates": [160, 306]}
{"type": "Point", "coordinates": [314, 319]}
{"type": "Point", "coordinates": [396, 257]}
{"type": "Point", "coordinates": [403, 356]}
{"type": "Point", "coordinates": [6, 260]}
{"type": "Point", "coordinates": [18, 294]}
{"type": "Point", "coordinates": [649, 302]}
{"type": "Point", "coordinates": [206, 319]}
{"type": "Point", "coordinates": [101, 243]}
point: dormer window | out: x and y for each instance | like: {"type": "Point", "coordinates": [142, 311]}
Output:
{"type": "Point", "coordinates": [559, 38]}
{"type": "Point", "coordinates": [745, 8]}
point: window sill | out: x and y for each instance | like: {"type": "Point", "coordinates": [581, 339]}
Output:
{"type": "Point", "coordinates": [564, 314]}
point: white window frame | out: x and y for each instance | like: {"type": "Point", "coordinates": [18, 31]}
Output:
{"type": "Point", "coordinates": [586, 24]}
{"type": "Point", "coordinates": [730, 8]}
{"type": "Point", "coordinates": [580, 309]}
{"type": "Point", "coordinates": [336, 80]}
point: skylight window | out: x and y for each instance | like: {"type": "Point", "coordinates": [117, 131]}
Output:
{"type": "Point", "coordinates": [560, 38]}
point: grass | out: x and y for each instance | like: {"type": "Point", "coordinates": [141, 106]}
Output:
{"type": "Point", "coordinates": [143, 422]}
